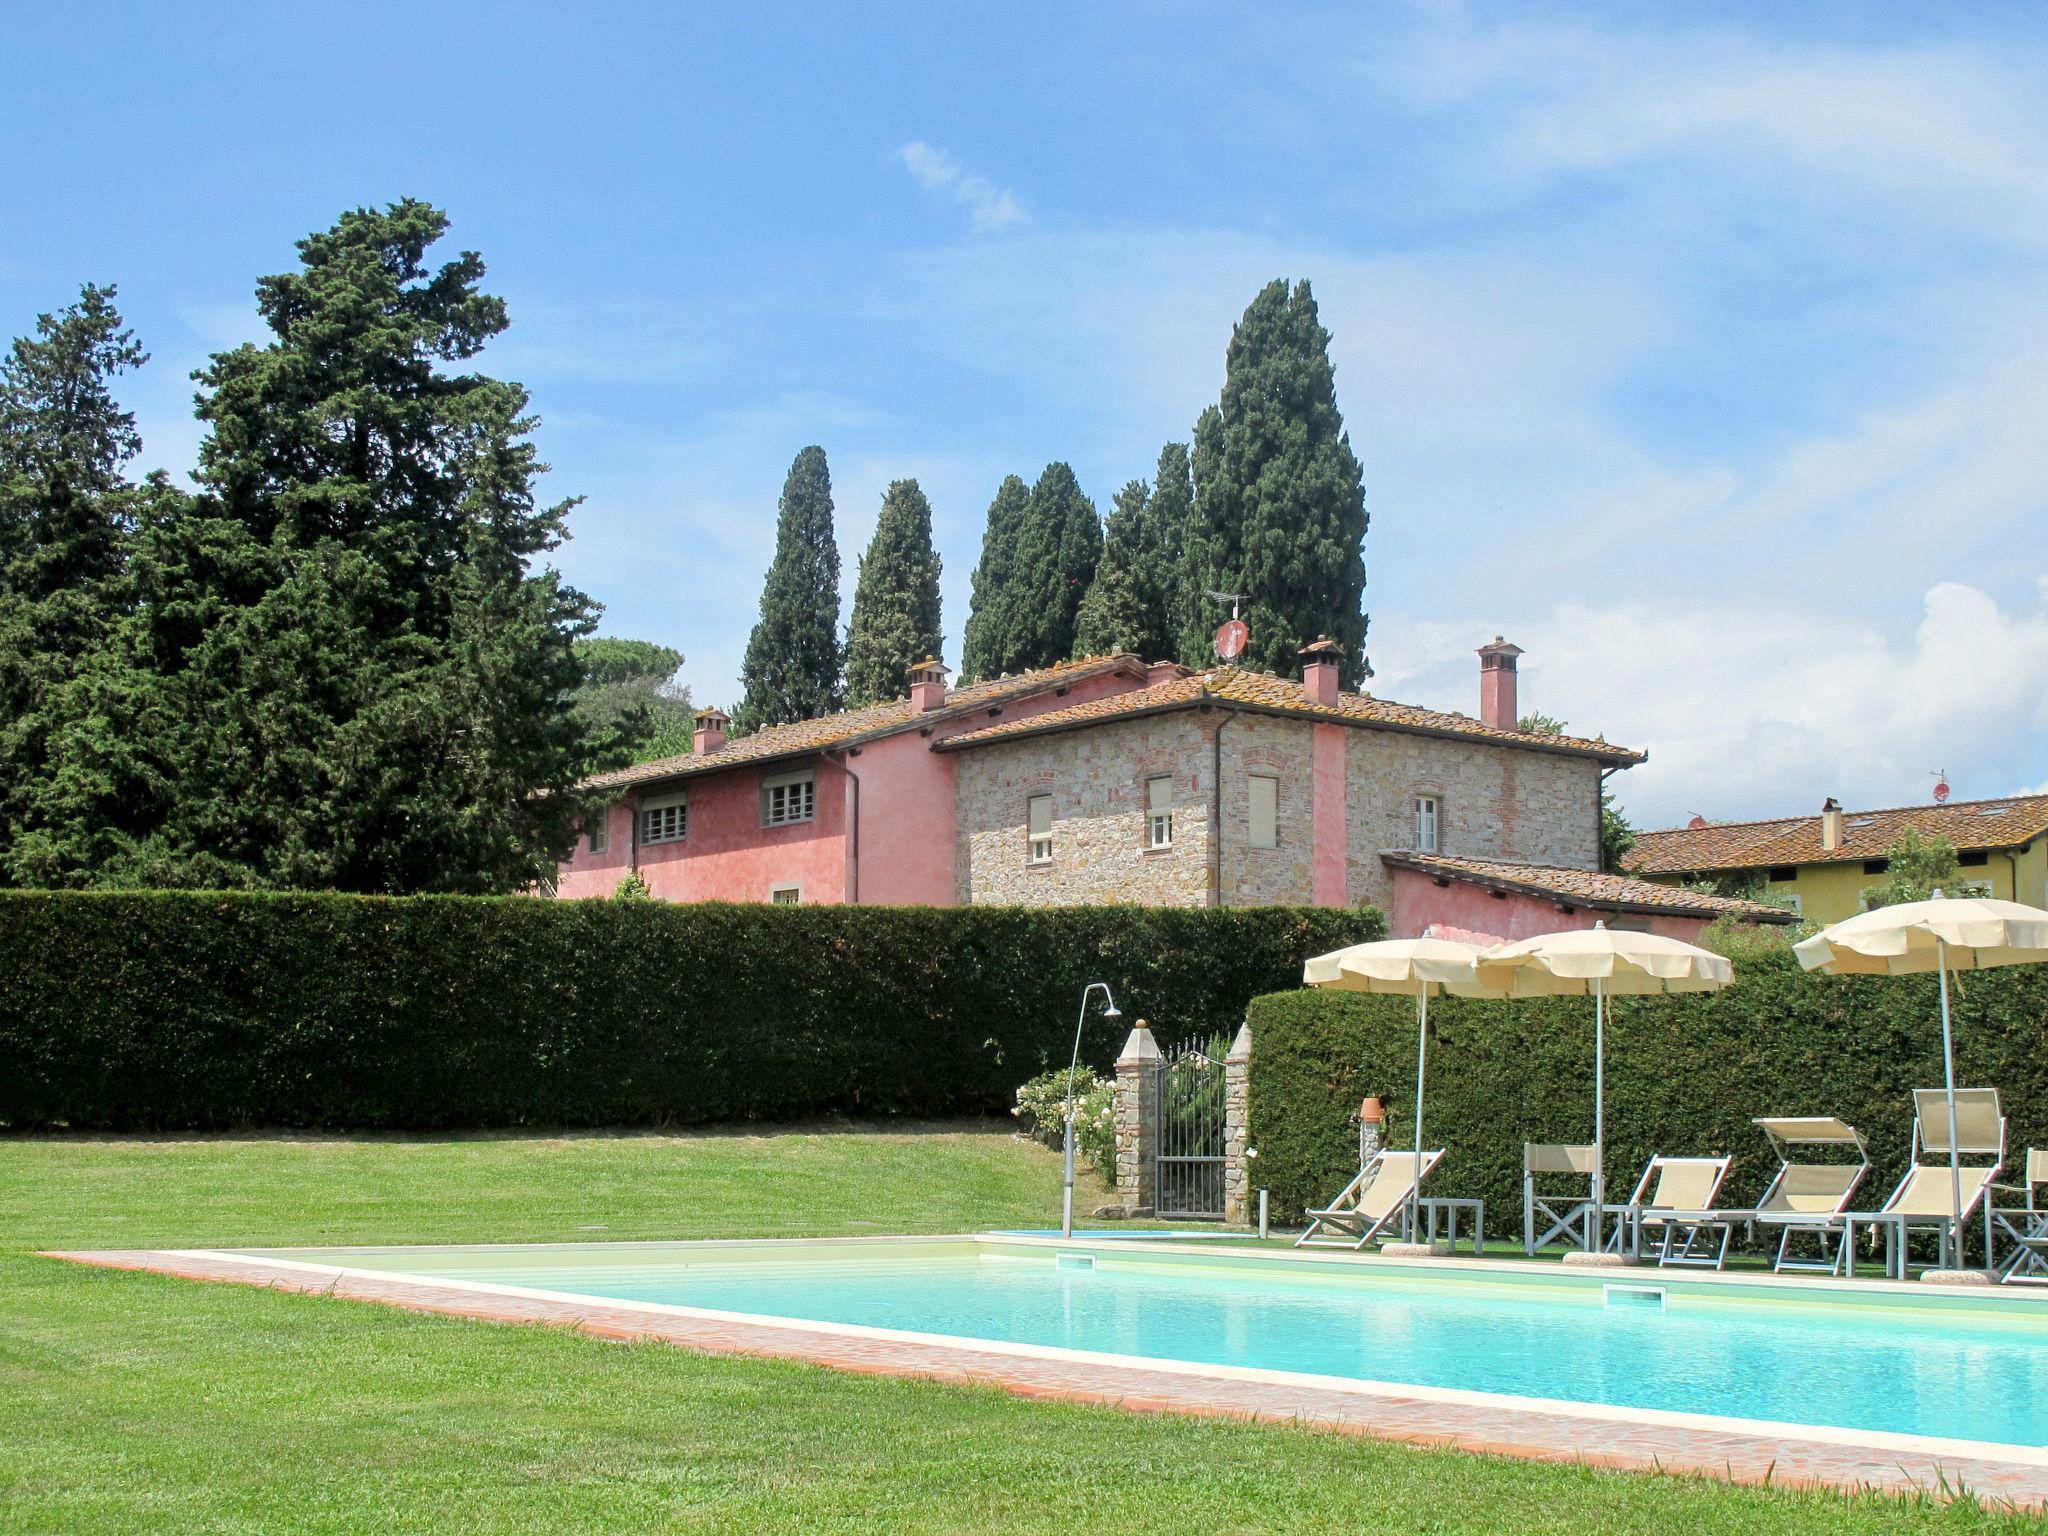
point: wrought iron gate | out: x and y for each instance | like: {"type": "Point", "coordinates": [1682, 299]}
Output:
{"type": "Point", "coordinates": [1189, 1170]}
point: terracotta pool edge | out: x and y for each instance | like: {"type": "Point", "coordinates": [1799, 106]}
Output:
{"type": "Point", "coordinates": [1733, 1457]}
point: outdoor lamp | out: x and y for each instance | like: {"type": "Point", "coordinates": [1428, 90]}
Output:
{"type": "Point", "coordinates": [1109, 1011]}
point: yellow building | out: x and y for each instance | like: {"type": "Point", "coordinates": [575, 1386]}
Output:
{"type": "Point", "coordinates": [1823, 865]}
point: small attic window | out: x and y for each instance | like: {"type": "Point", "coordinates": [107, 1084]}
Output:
{"type": "Point", "coordinates": [1974, 857]}
{"type": "Point", "coordinates": [1783, 872]}
{"type": "Point", "coordinates": [1876, 866]}
{"type": "Point", "coordinates": [1864, 821]}
{"type": "Point", "coordinates": [1994, 810]}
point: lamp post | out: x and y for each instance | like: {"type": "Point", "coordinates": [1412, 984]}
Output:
{"type": "Point", "coordinates": [1109, 1011]}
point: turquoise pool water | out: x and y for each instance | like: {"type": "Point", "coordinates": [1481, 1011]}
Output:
{"type": "Point", "coordinates": [1875, 1366]}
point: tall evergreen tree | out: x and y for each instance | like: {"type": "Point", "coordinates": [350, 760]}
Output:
{"type": "Point", "coordinates": [1059, 545]}
{"type": "Point", "coordinates": [1279, 497]}
{"type": "Point", "coordinates": [1127, 602]}
{"type": "Point", "coordinates": [895, 600]}
{"type": "Point", "coordinates": [361, 679]}
{"type": "Point", "coordinates": [66, 510]}
{"type": "Point", "coordinates": [629, 689]}
{"type": "Point", "coordinates": [791, 671]}
{"type": "Point", "coordinates": [986, 640]}
{"type": "Point", "coordinates": [1172, 511]}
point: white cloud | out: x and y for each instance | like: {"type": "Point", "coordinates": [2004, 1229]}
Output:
{"type": "Point", "coordinates": [1752, 711]}
{"type": "Point", "coordinates": [988, 205]}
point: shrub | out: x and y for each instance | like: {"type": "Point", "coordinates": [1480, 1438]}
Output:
{"type": "Point", "coordinates": [1685, 1075]}
{"type": "Point", "coordinates": [1042, 1106]}
{"type": "Point", "coordinates": [162, 1010]}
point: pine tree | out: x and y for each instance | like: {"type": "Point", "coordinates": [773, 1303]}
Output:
{"type": "Point", "coordinates": [895, 600]}
{"type": "Point", "coordinates": [792, 667]}
{"type": "Point", "coordinates": [986, 640]}
{"type": "Point", "coordinates": [343, 668]}
{"type": "Point", "coordinates": [66, 510]}
{"type": "Point", "coordinates": [1059, 545]}
{"type": "Point", "coordinates": [1279, 498]}
{"type": "Point", "coordinates": [629, 690]}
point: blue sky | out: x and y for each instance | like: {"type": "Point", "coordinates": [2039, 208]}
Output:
{"type": "Point", "coordinates": [1705, 358]}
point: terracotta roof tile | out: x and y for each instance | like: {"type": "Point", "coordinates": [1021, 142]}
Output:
{"type": "Point", "coordinates": [853, 725]}
{"type": "Point", "coordinates": [1263, 691]}
{"type": "Point", "coordinates": [2011, 822]}
{"type": "Point", "coordinates": [1586, 887]}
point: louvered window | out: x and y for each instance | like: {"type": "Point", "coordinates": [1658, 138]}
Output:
{"type": "Point", "coordinates": [1039, 819]}
{"type": "Point", "coordinates": [664, 820]}
{"type": "Point", "coordinates": [788, 798]}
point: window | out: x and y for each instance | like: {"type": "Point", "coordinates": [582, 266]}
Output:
{"type": "Point", "coordinates": [786, 895]}
{"type": "Point", "coordinates": [1876, 866]}
{"type": "Point", "coordinates": [1973, 858]}
{"type": "Point", "coordinates": [1039, 821]}
{"type": "Point", "coordinates": [600, 834]}
{"type": "Point", "coordinates": [787, 798]}
{"type": "Point", "coordinates": [1265, 810]}
{"type": "Point", "coordinates": [1780, 873]}
{"type": "Point", "coordinates": [1425, 823]}
{"type": "Point", "coordinates": [1789, 900]}
{"type": "Point", "coordinates": [664, 819]}
{"type": "Point", "coordinates": [1159, 812]}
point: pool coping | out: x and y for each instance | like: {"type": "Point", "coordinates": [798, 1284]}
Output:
{"type": "Point", "coordinates": [1603, 1435]}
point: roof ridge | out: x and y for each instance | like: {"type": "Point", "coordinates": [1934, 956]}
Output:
{"type": "Point", "coordinates": [1875, 810]}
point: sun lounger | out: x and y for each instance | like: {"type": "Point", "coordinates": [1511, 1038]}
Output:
{"type": "Point", "coordinates": [1370, 1205]}
{"type": "Point", "coordinates": [1674, 1201]}
{"type": "Point", "coordinates": [1564, 1213]}
{"type": "Point", "coordinates": [1807, 1194]}
{"type": "Point", "coordinates": [2026, 1227]}
{"type": "Point", "coordinates": [1925, 1200]}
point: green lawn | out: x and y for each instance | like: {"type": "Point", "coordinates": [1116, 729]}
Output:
{"type": "Point", "coordinates": [137, 1403]}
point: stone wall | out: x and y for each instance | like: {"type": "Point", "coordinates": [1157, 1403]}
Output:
{"type": "Point", "coordinates": [1137, 1121]}
{"type": "Point", "coordinates": [1096, 778]}
{"type": "Point", "coordinates": [1493, 803]}
{"type": "Point", "coordinates": [1262, 876]}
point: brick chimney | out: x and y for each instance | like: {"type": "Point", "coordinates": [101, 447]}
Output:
{"type": "Point", "coordinates": [927, 685]}
{"type": "Point", "coordinates": [1831, 824]}
{"type": "Point", "coordinates": [1498, 706]}
{"type": "Point", "coordinates": [1319, 660]}
{"type": "Point", "coordinates": [1157, 672]}
{"type": "Point", "coordinates": [710, 733]}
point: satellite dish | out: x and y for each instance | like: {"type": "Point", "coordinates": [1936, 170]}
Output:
{"type": "Point", "coordinates": [1941, 787]}
{"type": "Point", "coordinates": [1231, 637]}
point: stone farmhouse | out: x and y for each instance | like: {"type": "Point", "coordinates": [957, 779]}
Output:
{"type": "Point", "coordinates": [1118, 780]}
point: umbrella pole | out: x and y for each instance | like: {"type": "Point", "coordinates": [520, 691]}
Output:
{"type": "Point", "coordinates": [1954, 1234]}
{"type": "Point", "coordinates": [1421, 1061]}
{"type": "Point", "coordinates": [1599, 1225]}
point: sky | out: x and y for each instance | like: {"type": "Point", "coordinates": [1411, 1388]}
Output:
{"type": "Point", "coordinates": [1700, 351]}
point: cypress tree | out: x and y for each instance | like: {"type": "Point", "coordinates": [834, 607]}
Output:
{"type": "Point", "coordinates": [1279, 498]}
{"type": "Point", "coordinates": [359, 676]}
{"type": "Point", "coordinates": [1126, 605]}
{"type": "Point", "coordinates": [1172, 511]}
{"type": "Point", "coordinates": [791, 671]}
{"type": "Point", "coordinates": [1059, 545]}
{"type": "Point", "coordinates": [986, 640]}
{"type": "Point", "coordinates": [895, 600]}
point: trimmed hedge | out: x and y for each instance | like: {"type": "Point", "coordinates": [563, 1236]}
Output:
{"type": "Point", "coordinates": [1685, 1075]}
{"type": "Point", "coordinates": [182, 1010]}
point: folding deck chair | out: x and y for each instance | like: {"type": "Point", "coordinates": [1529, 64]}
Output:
{"type": "Point", "coordinates": [1675, 1199]}
{"type": "Point", "coordinates": [2025, 1227]}
{"type": "Point", "coordinates": [1925, 1198]}
{"type": "Point", "coordinates": [1806, 1195]}
{"type": "Point", "coordinates": [1567, 1213]}
{"type": "Point", "coordinates": [1371, 1205]}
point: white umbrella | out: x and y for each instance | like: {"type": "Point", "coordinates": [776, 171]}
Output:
{"type": "Point", "coordinates": [1414, 968]}
{"type": "Point", "coordinates": [1602, 961]}
{"type": "Point", "coordinates": [1944, 934]}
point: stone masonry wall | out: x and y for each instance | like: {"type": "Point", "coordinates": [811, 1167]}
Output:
{"type": "Point", "coordinates": [1493, 803]}
{"type": "Point", "coordinates": [1252, 876]}
{"type": "Point", "coordinates": [1096, 778]}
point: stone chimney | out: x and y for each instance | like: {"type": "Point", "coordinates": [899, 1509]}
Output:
{"type": "Point", "coordinates": [1498, 706]}
{"type": "Point", "coordinates": [927, 685]}
{"type": "Point", "coordinates": [1319, 660]}
{"type": "Point", "coordinates": [710, 733]}
{"type": "Point", "coordinates": [1157, 672]}
{"type": "Point", "coordinates": [1831, 824]}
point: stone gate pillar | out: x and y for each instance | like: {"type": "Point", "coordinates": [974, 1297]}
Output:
{"type": "Point", "coordinates": [1237, 1164]}
{"type": "Point", "coordinates": [1137, 1120]}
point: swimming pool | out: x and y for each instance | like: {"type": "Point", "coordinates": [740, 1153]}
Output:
{"type": "Point", "coordinates": [1868, 1357]}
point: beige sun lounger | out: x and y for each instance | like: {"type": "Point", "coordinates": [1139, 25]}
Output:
{"type": "Point", "coordinates": [1674, 1201]}
{"type": "Point", "coordinates": [1370, 1204]}
{"type": "Point", "coordinates": [1925, 1200]}
{"type": "Point", "coordinates": [1806, 1195]}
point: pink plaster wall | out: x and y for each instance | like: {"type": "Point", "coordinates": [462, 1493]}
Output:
{"type": "Point", "coordinates": [1420, 902]}
{"type": "Point", "coordinates": [906, 844]}
{"type": "Point", "coordinates": [1330, 820]}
